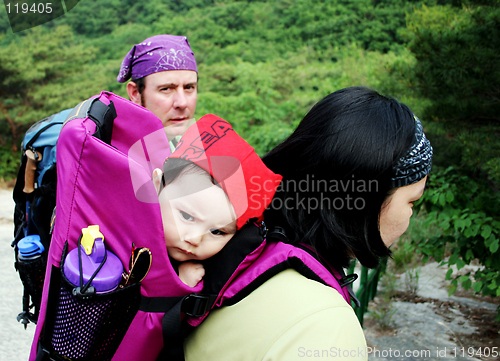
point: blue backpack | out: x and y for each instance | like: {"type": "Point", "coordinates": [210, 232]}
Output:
{"type": "Point", "coordinates": [35, 199]}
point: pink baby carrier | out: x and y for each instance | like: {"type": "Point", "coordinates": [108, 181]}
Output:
{"type": "Point", "coordinates": [106, 153]}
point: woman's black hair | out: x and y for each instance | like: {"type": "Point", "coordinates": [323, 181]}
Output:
{"type": "Point", "coordinates": [336, 169]}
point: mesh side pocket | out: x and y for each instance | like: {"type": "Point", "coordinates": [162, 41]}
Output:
{"type": "Point", "coordinates": [92, 328]}
{"type": "Point", "coordinates": [32, 275]}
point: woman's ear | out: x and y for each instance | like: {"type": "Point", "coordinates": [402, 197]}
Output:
{"type": "Point", "coordinates": [157, 179]}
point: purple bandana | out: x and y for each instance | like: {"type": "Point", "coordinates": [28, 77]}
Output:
{"type": "Point", "coordinates": [158, 53]}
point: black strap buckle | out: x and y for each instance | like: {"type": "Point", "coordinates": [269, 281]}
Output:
{"type": "Point", "coordinates": [103, 116]}
{"type": "Point", "coordinates": [347, 280]}
{"type": "Point", "coordinates": [278, 233]}
{"type": "Point", "coordinates": [197, 305]}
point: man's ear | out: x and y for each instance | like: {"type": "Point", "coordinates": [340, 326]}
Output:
{"type": "Point", "coordinates": [157, 179]}
{"type": "Point", "coordinates": [133, 93]}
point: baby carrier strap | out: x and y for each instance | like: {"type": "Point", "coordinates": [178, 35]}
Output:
{"type": "Point", "coordinates": [244, 264]}
{"type": "Point", "coordinates": [220, 270]}
{"type": "Point", "coordinates": [234, 282]}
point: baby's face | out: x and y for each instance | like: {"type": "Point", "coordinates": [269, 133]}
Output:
{"type": "Point", "coordinates": [198, 219]}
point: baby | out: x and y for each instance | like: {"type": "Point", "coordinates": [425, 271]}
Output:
{"type": "Point", "coordinates": [211, 185]}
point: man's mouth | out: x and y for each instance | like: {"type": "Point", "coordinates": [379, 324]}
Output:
{"type": "Point", "coordinates": [178, 120]}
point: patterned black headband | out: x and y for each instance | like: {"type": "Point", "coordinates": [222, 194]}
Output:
{"type": "Point", "coordinates": [416, 164]}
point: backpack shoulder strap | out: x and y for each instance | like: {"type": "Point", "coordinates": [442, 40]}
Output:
{"type": "Point", "coordinates": [275, 256]}
{"type": "Point", "coordinates": [219, 271]}
{"type": "Point", "coordinates": [246, 249]}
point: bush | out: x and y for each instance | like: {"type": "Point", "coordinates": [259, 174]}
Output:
{"type": "Point", "coordinates": [9, 165]}
{"type": "Point", "coordinates": [458, 59]}
{"type": "Point", "coordinates": [465, 211]}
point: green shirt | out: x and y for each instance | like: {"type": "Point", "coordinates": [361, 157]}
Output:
{"type": "Point", "coordinates": [288, 318]}
{"type": "Point", "coordinates": [174, 143]}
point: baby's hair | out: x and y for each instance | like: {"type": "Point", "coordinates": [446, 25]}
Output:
{"type": "Point", "coordinates": [175, 166]}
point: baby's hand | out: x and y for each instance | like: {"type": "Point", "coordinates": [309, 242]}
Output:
{"type": "Point", "coordinates": [191, 272]}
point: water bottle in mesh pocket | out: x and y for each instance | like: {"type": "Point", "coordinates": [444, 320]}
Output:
{"type": "Point", "coordinates": [88, 322]}
{"type": "Point", "coordinates": [92, 328]}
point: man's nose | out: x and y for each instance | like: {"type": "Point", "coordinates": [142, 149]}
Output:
{"type": "Point", "coordinates": [180, 101]}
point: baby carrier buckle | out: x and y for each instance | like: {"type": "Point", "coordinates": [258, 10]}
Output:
{"type": "Point", "coordinates": [197, 305]}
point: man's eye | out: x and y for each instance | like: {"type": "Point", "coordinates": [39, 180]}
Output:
{"type": "Point", "coordinates": [217, 232]}
{"type": "Point", "coordinates": [187, 216]}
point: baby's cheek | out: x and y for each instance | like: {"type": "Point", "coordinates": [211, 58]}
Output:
{"type": "Point", "coordinates": [171, 239]}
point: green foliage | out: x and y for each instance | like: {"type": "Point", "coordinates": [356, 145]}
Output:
{"type": "Point", "coordinates": [411, 278]}
{"type": "Point", "coordinates": [256, 31]}
{"type": "Point", "coordinates": [465, 211]}
{"type": "Point", "coordinates": [4, 19]}
{"type": "Point", "coordinates": [382, 308]}
{"type": "Point", "coordinates": [403, 254]}
{"type": "Point", "coordinates": [38, 80]}
{"type": "Point", "coordinates": [9, 164]}
{"type": "Point", "coordinates": [119, 42]}
{"type": "Point", "coordinates": [404, 259]}
{"type": "Point", "coordinates": [265, 101]}
{"type": "Point", "coordinates": [94, 18]}
{"type": "Point", "coordinates": [457, 69]}
{"type": "Point", "coordinates": [258, 66]}
{"type": "Point", "coordinates": [458, 59]}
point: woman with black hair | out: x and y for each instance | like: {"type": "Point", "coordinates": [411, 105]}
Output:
{"type": "Point", "coordinates": [353, 149]}
{"type": "Point", "coordinates": [351, 172]}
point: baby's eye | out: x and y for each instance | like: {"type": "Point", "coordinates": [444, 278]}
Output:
{"type": "Point", "coordinates": [187, 216]}
{"type": "Point", "coordinates": [217, 232]}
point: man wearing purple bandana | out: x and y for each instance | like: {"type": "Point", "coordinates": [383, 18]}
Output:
{"type": "Point", "coordinates": [164, 79]}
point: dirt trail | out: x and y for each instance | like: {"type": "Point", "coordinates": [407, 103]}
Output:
{"type": "Point", "coordinates": [429, 325]}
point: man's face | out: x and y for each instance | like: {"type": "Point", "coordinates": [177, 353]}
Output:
{"type": "Point", "coordinates": [171, 95]}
